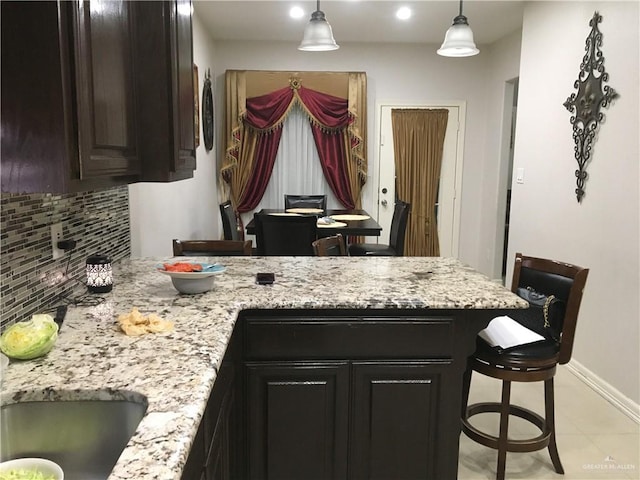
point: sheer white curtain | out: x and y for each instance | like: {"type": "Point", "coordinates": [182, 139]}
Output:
{"type": "Point", "coordinates": [297, 169]}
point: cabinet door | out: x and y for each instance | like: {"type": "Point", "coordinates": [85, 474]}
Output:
{"type": "Point", "coordinates": [220, 426]}
{"type": "Point", "coordinates": [184, 107]}
{"type": "Point", "coordinates": [297, 420]}
{"type": "Point", "coordinates": [395, 426]}
{"type": "Point", "coordinates": [105, 85]}
{"type": "Point", "coordinates": [194, 467]}
{"type": "Point", "coordinates": [166, 109]}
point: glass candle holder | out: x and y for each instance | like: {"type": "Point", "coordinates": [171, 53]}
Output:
{"type": "Point", "coordinates": [99, 274]}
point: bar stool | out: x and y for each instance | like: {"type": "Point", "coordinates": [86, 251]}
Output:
{"type": "Point", "coordinates": [528, 363]}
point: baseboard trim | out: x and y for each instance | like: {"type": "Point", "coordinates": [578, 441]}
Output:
{"type": "Point", "coordinates": [604, 389]}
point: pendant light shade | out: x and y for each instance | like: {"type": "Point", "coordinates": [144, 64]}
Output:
{"type": "Point", "coordinates": [318, 36]}
{"type": "Point", "coordinates": [458, 41]}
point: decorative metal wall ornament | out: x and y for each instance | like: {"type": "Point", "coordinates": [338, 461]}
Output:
{"type": "Point", "coordinates": [207, 112]}
{"type": "Point", "coordinates": [588, 100]}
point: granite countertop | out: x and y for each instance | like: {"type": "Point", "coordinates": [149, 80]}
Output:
{"type": "Point", "coordinates": [175, 371]}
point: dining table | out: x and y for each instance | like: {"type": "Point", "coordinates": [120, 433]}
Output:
{"type": "Point", "coordinates": [354, 222]}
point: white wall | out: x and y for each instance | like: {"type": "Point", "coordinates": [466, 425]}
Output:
{"type": "Point", "coordinates": [189, 208]}
{"type": "Point", "coordinates": [407, 74]}
{"type": "Point", "coordinates": [503, 66]}
{"type": "Point", "coordinates": [601, 233]}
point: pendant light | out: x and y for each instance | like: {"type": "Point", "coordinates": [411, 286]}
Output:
{"type": "Point", "coordinates": [458, 41]}
{"type": "Point", "coordinates": [318, 36]}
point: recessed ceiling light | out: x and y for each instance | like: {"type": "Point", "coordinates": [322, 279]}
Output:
{"type": "Point", "coordinates": [296, 12]}
{"type": "Point", "coordinates": [403, 13]}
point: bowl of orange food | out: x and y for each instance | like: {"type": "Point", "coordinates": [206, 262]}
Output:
{"type": "Point", "coordinates": [191, 278]}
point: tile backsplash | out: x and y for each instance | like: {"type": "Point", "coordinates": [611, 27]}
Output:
{"type": "Point", "coordinates": [31, 281]}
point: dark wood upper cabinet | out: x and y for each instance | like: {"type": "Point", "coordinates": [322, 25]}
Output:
{"type": "Point", "coordinates": [96, 94]}
{"type": "Point", "coordinates": [165, 79]}
{"type": "Point", "coordinates": [68, 96]}
{"type": "Point", "coordinates": [105, 72]}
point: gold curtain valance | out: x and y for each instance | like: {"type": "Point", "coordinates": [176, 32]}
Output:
{"type": "Point", "coordinates": [260, 82]}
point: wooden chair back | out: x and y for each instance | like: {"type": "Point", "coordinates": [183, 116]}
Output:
{"type": "Point", "coordinates": [231, 222]}
{"type": "Point", "coordinates": [330, 246]}
{"type": "Point", "coordinates": [563, 280]}
{"type": "Point", "coordinates": [305, 201]}
{"type": "Point", "coordinates": [211, 248]}
{"type": "Point", "coordinates": [399, 227]}
{"type": "Point", "coordinates": [284, 235]}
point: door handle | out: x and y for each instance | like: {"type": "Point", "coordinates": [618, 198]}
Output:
{"type": "Point", "coordinates": [384, 203]}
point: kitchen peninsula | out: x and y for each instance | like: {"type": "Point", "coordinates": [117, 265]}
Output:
{"type": "Point", "coordinates": [395, 329]}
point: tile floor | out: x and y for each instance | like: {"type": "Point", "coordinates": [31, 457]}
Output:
{"type": "Point", "coordinates": [595, 439]}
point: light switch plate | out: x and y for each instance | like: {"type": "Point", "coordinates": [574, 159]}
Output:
{"type": "Point", "coordinates": [520, 175]}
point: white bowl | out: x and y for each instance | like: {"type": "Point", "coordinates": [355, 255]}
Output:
{"type": "Point", "coordinates": [194, 282]}
{"type": "Point", "coordinates": [193, 285]}
{"type": "Point", "coordinates": [42, 465]}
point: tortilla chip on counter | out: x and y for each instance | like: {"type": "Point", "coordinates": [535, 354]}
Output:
{"type": "Point", "coordinates": [135, 324]}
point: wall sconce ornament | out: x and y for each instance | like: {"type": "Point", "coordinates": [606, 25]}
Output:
{"type": "Point", "coordinates": [207, 111]}
{"type": "Point", "coordinates": [588, 100]}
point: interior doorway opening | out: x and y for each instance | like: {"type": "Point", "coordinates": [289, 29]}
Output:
{"type": "Point", "coordinates": [448, 204]}
{"type": "Point", "coordinates": [506, 175]}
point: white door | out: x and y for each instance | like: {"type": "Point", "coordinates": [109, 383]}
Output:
{"type": "Point", "coordinates": [448, 206]}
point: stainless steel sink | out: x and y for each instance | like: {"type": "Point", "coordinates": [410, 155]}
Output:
{"type": "Point", "coordinates": [85, 437]}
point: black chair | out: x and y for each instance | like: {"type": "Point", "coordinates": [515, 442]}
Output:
{"type": "Point", "coordinates": [396, 236]}
{"type": "Point", "coordinates": [305, 201]}
{"type": "Point", "coordinates": [285, 235]}
{"type": "Point", "coordinates": [534, 362]}
{"type": "Point", "coordinates": [231, 222]}
{"type": "Point", "coordinates": [211, 248]}
{"type": "Point", "coordinates": [333, 246]}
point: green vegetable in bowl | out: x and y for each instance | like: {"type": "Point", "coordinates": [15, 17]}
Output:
{"type": "Point", "coordinates": [25, 474]}
{"type": "Point", "coordinates": [29, 339]}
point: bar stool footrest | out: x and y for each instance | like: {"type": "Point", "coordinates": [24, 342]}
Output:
{"type": "Point", "coordinates": [491, 441]}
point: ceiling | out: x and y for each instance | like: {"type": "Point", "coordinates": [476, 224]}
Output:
{"type": "Point", "coordinates": [358, 20]}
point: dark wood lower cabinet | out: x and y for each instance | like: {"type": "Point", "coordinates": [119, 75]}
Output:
{"type": "Point", "coordinates": [338, 395]}
{"type": "Point", "coordinates": [194, 468]}
{"type": "Point", "coordinates": [297, 416]}
{"type": "Point", "coordinates": [218, 465]}
{"type": "Point", "coordinates": [212, 455]}
{"type": "Point", "coordinates": [395, 420]}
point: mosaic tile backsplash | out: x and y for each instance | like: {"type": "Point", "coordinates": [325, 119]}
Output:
{"type": "Point", "coordinates": [31, 281]}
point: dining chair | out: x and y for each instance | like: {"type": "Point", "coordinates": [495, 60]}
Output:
{"type": "Point", "coordinates": [535, 362]}
{"type": "Point", "coordinates": [333, 246]}
{"type": "Point", "coordinates": [305, 201]}
{"type": "Point", "coordinates": [214, 248]}
{"type": "Point", "coordinates": [285, 235]}
{"type": "Point", "coordinates": [396, 236]}
{"type": "Point", "coordinates": [231, 222]}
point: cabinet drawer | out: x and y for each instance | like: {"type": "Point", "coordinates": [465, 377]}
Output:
{"type": "Point", "coordinates": [273, 339]}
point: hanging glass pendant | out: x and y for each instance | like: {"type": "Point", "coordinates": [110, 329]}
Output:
{"type": "Point", "coordinates": [318, 36]}
{"type": "Point", "coordinates": [458, 41]}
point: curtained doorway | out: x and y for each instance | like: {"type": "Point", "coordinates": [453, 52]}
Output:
{"type": "Point", "coordinates": [448, 205]}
